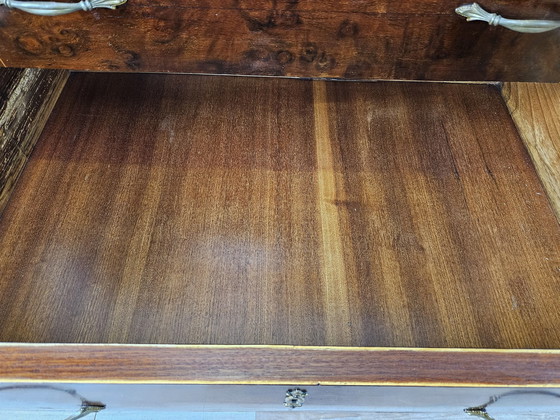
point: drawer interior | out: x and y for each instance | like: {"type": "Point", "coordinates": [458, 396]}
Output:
{"type": "Point", "coordinates": [173, 209]}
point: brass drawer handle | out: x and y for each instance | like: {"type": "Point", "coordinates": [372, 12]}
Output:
{"type": "Point", "coordinates": [473, 11]}
{"type": "Point", "coordinates": [51, 8]}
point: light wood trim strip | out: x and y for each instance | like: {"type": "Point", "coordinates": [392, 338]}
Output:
{"type": "Point", "coordinates": [535, 108]}
{"type": "Point", "coordinates": [335, 283]}
{"type": "Point", "coordinates": [27, 97]}
{"type": "Point", "coordinates": [277, 365]}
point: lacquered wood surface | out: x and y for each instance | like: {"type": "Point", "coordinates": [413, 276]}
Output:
{"type": "Point", "coordinates": [535, 109]}
{"type": "Point", "coordinates": [351, 39]}
{"type": "Point", "coordinates": [27, 98]}
{"type": "Point", "coordinates": [255, 211]}
{"type": "Point", "coordinates": [276, 365]}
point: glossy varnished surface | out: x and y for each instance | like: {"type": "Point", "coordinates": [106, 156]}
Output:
{"type": "Point", "coordinates": [278, 365]}
{"type": "Point", "coordinates": [351, 39]}
{"type": "Point", "coordinates": [169, 209]}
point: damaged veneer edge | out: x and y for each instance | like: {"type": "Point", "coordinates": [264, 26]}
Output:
{"type": "Point", "coordinates": [27, 98]}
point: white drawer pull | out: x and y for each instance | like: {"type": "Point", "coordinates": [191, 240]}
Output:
{"type": "Point", "coordinates": [51, 8]}
{"type": "Point", "coordinates": [473, 11]}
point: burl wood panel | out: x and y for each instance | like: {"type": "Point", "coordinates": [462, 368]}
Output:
{"type": "Point", "coordinates": [170, 209]}
{"type": "Point", "coordinates": [352, 39]}
{"type": "Point", "coordinates": [535, 108]}
{"type": "Point", "coordinates": [27, 98]}
{"type": "Point", "coordinates": [278, 365]}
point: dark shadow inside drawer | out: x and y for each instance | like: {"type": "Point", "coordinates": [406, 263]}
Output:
{"type": "Point", "coordinates": [213, 210]}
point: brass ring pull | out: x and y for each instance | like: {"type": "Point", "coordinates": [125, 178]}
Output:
{"type": "Point", "coordinates": [51, 8]}
{"type": "Point", "coordinates": [474, 12]}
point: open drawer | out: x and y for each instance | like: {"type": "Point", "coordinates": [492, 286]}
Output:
{"type": "Point", "coordinates": [197, 230]}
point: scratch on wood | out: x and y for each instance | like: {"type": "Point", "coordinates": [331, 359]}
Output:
{"type": "Point", "coordinates": [2, 62]}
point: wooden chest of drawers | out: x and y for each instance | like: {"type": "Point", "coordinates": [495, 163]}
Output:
{"type": "Point", "coordinates": [168, 242]}
{"type": "Point", "coordinates": [207, 243]}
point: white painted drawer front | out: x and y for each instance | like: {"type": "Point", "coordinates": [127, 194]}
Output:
{"type": "Point", "coordinates": [151, 401]}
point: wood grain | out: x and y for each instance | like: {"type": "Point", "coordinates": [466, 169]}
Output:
{"type": "Point", "coordinates": [350, 39]}
{"type": "Point", "coordinates": [278, 365]}
{"type": "Point", "coordinates": [27, 98]}
{"type": "Point", "coordinates": [206, 210]}
{"type": "Point", "coordinates": [535, 109]}
{"type": "Point", "coordinates": [332, 265]}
